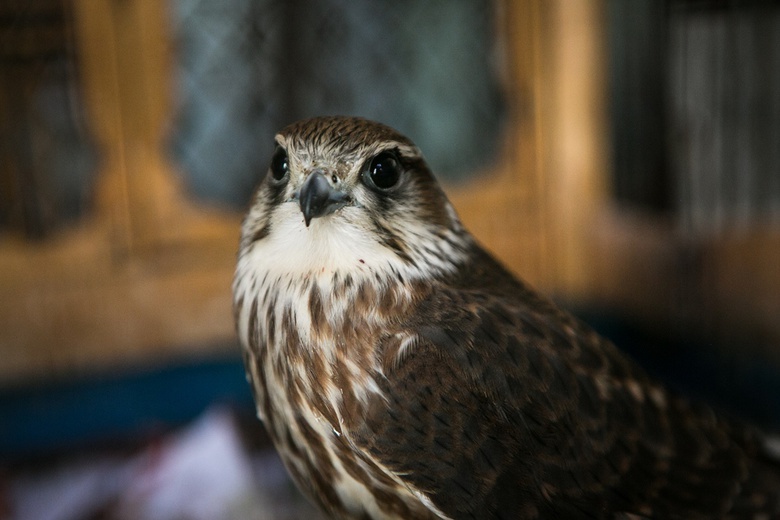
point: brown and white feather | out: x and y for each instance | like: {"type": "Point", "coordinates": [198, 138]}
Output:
{"type": "Point", "coordinates": [403, 373]}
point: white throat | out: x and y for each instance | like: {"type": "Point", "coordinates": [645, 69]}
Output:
{"type": "Point", "coordinates": [341, 244]}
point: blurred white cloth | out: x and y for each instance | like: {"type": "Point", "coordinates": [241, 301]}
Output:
{"type": "Point", "coordinates": [202, 472]}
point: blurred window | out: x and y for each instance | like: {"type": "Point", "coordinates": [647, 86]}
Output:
{"type": "Point", "coordinates": [247, 67]}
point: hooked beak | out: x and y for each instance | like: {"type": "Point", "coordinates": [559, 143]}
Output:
{"type": "Point", "coordinates": [318, 198]}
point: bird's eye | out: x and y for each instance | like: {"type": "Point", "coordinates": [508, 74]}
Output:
{"type": "Point", "coordinates": [383, 171]}
{"type": "Point", "coordinates": [280, 164]}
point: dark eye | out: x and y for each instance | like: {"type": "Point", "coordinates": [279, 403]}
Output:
{"type": "Point", "coordinates": [383, 171]}
{"type": "Point", "coordinates": [280, 165]}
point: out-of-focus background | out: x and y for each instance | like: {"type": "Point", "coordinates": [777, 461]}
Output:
{"type": "Point", "coordinates": [622, 157]}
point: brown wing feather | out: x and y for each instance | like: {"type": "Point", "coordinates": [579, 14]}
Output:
{"type": "Point", "coordinates": [509, 408]}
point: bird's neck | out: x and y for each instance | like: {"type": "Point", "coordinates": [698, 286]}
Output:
{"type": "Point", "coordinates": [314, 305]}
{"type": "Point", "coordinates": [316, 332]}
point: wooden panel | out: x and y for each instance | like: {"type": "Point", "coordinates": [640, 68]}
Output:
{"type": "Point", "coordinates": [133, 317]}
{"type": "Point", "coordinates": [504, 208]}
{"type": "Point", "coordinates": [538, 210]}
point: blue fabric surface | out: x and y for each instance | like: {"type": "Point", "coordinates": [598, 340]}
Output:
{"type": "Point", "coordinates": [45, 418]}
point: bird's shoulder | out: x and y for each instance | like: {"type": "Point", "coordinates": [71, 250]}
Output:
{"type": "Point", "coordinates": [502, 339]}
{"type": "Point", "coordinates": [497, 402]}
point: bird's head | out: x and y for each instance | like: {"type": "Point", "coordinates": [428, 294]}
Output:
{"type": "Point", "coordinates": [343, 193]}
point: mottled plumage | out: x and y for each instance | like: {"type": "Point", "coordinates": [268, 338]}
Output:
{"type": "Point", "coordinates": [403, 373]}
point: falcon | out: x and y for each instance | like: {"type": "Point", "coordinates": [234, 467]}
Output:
{"type": "Point", "coordinates": [402, 372]}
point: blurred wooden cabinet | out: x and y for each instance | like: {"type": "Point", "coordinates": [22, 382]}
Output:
{"type": "Point", "coordinates": [146, 278]}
